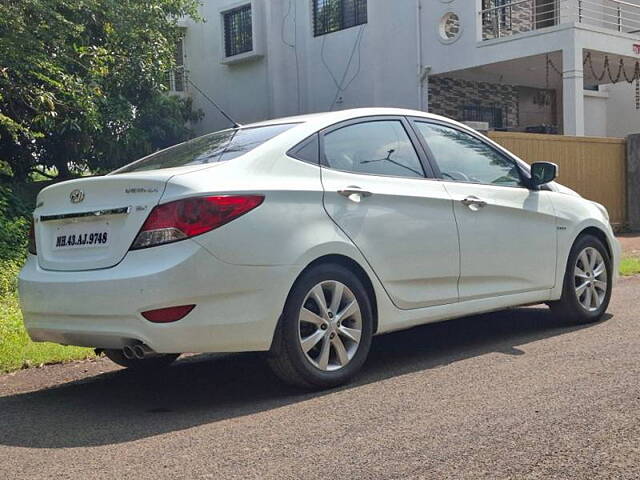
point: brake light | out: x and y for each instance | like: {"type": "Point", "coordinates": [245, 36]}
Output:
{"type": "Point", "coordinates": [187, 218]}
{"type": "Point", "coordinates": [31, 246]}
{"type": "Point", "coordinates": [168, 315]}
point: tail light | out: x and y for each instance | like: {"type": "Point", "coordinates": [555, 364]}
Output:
{"type": "Point", "coordinates": [187, 218]}
{"type": "Point", "coordinates": [31, 246]}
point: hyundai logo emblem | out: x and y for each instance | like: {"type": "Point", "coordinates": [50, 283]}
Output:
{"type": "Point", "coordinates": [76, 196]}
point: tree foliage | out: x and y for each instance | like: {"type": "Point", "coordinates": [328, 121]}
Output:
{"type": "Point", "coordinates": [82, 82]}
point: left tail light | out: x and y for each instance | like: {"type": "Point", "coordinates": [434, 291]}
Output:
{"type": "Point", "coordinates": [31, 246]}
{"type": "Point", "coordinates": [187, 218]}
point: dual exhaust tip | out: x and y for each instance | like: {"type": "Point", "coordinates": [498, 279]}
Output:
{"type": "Point", "coordinates": [138, 351]}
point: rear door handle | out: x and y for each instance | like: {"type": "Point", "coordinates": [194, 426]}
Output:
{"type": "Point", "coordinates": [473, 202]}
{"type": "Point", "coordinates": [354, 193]}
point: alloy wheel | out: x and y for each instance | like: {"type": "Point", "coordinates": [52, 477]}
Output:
{"type": "Point", "coordinates": [590, 279]}
{"type": "Point", "coordinates": [330, 325]}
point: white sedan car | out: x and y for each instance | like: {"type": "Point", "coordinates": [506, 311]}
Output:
{"type": "Point", "coordinates": [306, 236]}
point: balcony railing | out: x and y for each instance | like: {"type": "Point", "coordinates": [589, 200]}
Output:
{"type": "Point", "coordinates": [503, 18]}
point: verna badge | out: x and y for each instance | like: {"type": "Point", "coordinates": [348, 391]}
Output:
{"type": "Point", "coordinates": [76, 196]}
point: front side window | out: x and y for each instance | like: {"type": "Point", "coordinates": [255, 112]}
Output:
{"type": "Point", "coordinates": [380, 147]}
{"type": "Point", "coordinates": [333, 15]}
{"type": "Point", "coordinates": [212, 148]}
{"type": "Point", "coordinates": [464, 158]}
{"type": "Point", "coordinates": [238, 31]}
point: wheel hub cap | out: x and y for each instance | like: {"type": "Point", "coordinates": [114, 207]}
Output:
{"type": "Point", "coordinates": [590, 279]}
{"type": "Point", "coordinates": [330, 326]}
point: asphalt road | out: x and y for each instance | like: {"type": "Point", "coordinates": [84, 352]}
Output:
{"type": "Point", "coordinates": [509, 395]}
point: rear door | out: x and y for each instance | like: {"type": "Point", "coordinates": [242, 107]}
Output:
{"type": "Point", "coordinates": [378, 191]}
{"type": "Point", "coordinates": [507, 232]}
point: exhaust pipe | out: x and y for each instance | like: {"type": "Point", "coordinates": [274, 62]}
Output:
{"type": "Point", "coordinates": [128, 352]}
{"type": "Point", "coordinates": [139, 351]}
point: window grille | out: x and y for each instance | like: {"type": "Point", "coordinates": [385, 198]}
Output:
{"type": "Point", "coordinates": [494, 116]}
{"type": "Point", "coordinates": [333, 15]}
{"type": "Point", "coordinates": [176, 77]}
{"type": "Point", "coordinates": [238, 33]}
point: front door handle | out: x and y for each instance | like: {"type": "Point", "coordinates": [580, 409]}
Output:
{"type": "Point", "coordinates": [473, 202]}
{"type": "Point", "coordinates": [354, 193]}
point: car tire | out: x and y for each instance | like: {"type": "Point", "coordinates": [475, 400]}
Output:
{"type": "Point", "coordinates": [342, 332]}
{"type": "Point", "coordinates": [155, 362]}
{"type": "Point", "coordinates": [584, 296]}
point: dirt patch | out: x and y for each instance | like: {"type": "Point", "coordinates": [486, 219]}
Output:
{"type": "Point", "coordinates": [630, 243]}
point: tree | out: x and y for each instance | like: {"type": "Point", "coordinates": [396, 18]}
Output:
{"type": "Point", "coordinates": [81, 82]}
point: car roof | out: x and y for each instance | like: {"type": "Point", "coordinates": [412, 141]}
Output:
{"type": "Point", "coordinates": [314, 122]}
{"type": "Point", "coordinates": [324, 119]}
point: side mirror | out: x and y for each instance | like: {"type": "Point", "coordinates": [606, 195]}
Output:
{"type": "Point", "coordinates": [543, 172]}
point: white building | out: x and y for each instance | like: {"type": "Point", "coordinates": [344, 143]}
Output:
{"type": "Point", "coordinates": [521, 65]}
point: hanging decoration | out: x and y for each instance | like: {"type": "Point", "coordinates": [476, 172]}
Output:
{"type": "Point", "coordinates": [621, 73]}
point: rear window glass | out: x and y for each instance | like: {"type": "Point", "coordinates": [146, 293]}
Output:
{"type": "Point", "coordinates": [212, 148]}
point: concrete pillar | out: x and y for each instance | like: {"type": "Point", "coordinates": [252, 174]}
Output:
{"type": "Point", "coordinates": [573, 92]}
{"type": "Point", "coordinates": [633, 182]}
{"type": "Point", "coordinates": [423, 80]}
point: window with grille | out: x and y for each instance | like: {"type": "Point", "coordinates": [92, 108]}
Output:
{"type": "Point", "coordinates": [492, 115]}
{"type": "Point", "coordinates": [176, 77]}
{"type": "Point", "coordinates": [238, 34]}
{"type": "Point", "coordinates": [333, 15]}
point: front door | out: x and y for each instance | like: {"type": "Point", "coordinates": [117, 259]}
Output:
{"type": "Point", "coordinates": [377, 192]}
{"type": "Point", "coordinates": [507, 232]}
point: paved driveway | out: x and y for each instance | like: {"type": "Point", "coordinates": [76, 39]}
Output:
{"type": "Point", "coordinates": [508, 395]}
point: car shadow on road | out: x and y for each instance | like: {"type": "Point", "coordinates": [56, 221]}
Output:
{"type": "Point", "coordinates": [122, 406]}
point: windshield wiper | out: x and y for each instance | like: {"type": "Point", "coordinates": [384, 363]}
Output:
{"type": "Point", "coordinates": [389, 159]}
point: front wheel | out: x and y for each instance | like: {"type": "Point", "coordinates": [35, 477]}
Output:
{"type": "Point", "coordinates": [587, 282]}
{"type": "Point", "coordinates": [324, 335]}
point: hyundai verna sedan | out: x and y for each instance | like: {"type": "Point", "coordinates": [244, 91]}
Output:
{"type": "Point", "coordinates": [306, 236]}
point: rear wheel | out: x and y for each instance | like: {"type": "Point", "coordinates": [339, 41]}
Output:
{"type": "Point", "coordinates": [587, 282]}
{"type": "Point", "coordinates": [324, 335]}
{"type": "Point", "coordinates": [154, 362]}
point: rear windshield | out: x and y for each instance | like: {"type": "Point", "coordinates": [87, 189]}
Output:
{"type": "Point", "coordinates": [212, 148]}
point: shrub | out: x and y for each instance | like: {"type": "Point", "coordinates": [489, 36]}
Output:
{"type": "Point", "coordinates": [14, 228]}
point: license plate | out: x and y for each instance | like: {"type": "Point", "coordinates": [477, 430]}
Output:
{"type": "Point", "coordinates": [82, 236]}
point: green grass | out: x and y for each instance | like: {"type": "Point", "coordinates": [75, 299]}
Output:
{"type": "Point", "coordinates": [16, 348]}
{"type": "Point", "coordinates": [630, 266]}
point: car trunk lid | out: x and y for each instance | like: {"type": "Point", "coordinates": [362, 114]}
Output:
{"type": "Point", "coordinates": [90, 223]}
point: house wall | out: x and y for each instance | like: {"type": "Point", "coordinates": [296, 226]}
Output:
{"type": "Point", "coordinates": [448, 96]}
{"type": "Point", "coordinates": [376, 64]}
{"type": "Point", "coordinates": [536, 107]}
{"type": "Point", "coordinates": [242, 90]}
{"type": "Point", "coordinates": [622, 117]}
{"type": "Point", "coordinates": [595, 113]}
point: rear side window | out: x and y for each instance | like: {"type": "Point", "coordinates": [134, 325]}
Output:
{"type": "Point", "coordinates": [212, 148]}
{"type": "Point", "coordinates": [307, 151]}
{"type": "Point", "coordinates": [380, 147]}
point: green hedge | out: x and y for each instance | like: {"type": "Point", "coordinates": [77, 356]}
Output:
{"type": "Point", "coordinates": [14, 226]}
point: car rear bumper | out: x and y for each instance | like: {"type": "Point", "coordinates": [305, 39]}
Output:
{"type": "Point", "coordinates": [237, 307]}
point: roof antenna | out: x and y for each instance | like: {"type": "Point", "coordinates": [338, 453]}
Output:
{"type": "Point", "coordinates": [224, 114]}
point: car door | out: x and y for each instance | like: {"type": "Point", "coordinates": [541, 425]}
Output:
{"type": "Point", "coordinates": [377, 192]}
{"type": "Point", "coordinates": [507, 231]}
